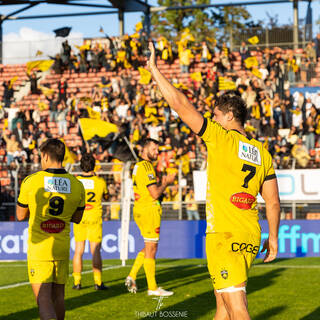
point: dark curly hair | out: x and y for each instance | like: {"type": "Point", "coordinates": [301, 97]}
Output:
{"type": "Point", "coordinates": [231, 102]}
{"type": "Point", "coordinates": [87, 162]}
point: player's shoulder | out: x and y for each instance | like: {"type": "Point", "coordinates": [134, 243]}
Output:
{"type": "Point", "coordinates": [32, 177]}
{"type": "Point", "coordinates": [147, 165]}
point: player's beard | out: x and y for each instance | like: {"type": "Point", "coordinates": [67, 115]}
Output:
{"type": "Point", "coordinates": [151, 157]}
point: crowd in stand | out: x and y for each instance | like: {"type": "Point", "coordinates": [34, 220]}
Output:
{"type": "Point", "coordinates": [288, 125]}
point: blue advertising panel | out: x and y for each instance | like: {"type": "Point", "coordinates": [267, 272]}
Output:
{"type": "Point", "coordinates": [178, 239]}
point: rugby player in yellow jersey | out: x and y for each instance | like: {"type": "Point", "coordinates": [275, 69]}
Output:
{"type": "Point", "coordinates": [90, 227]}
{"type": "Point", "coordinates": [238, 169]}
{"type": "Point", "coordinates": [51, 198]}
{"type": "Point", "coordinates": [147, 215]}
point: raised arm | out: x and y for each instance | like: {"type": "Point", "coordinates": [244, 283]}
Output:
{"type": "Point", "coordinates": [270, 194]}
{"type": "Point", "coordinates": [176, 99]}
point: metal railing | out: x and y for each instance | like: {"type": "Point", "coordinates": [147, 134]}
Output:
{"type": "Point", "coordinates": [114, 174]}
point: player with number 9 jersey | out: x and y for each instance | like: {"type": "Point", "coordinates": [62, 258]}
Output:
{"type": "Point", "coordinates": [52, 196]}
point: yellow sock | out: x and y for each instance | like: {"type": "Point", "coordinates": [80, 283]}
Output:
{"type": "Point", "coordinates": [150, 270]}
{"type": "Point", "coordinates": [137, 265]}
{"type": "Point", "coordinates": [97, 277]}
{"type": "Point", "coordinates": [76, 278]}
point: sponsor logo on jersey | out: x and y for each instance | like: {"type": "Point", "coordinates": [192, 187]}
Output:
{"type": "Point", "coordinates": [32, 272]}
{"type": "Point", "coordinates": [249, 153]}
{"type": "Point", "coordinates": [136, 197]}
{"type": "Point", "coordinates": [52, 225]}
{"type": "Point", "coordinates": [224, 274]}
{"type": "Point", "coordinates": [247, 247]}
{"type": "Point", "coordinates": [88, 206]}
{"type": "Point", "coordinates": [242, 200]}
{"type": "Point", "coordinates": [57, 184]}
{"type": "Point", "coordinates": [151, 177]}
{"type": "Point", "coordinates": [87, 183]}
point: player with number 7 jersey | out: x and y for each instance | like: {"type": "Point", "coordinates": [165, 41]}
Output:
{"type": "Point", "coordinates": [244, 164]}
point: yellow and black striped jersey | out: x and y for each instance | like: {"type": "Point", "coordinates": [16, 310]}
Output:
{"type": "Point", "coordinates": [237, 167]}
{"type": "Point", "coordinates": [52, 196]}
{"type": "Point", "coordinates": [143, 175]}
{"type": "Point", "coordinates": [95, 188]}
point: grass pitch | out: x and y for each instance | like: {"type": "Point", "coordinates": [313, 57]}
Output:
{"type": "Point", "coordinates": [286, 289]}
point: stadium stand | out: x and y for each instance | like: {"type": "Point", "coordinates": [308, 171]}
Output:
{"type": "Point", "coordinates": [112, 89]}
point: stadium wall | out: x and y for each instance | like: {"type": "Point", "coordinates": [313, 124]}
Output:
{"type": "Point", "coordinates": [179, 239]}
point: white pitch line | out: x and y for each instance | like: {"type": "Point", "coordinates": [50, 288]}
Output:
{"type": "Point", "coordinates": [19, 284]}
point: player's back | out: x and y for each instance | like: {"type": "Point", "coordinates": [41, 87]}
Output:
{"type": "Point", "coordinates": [143, 175]}
{"type": "Point", "coordinates": [237, 167]}
{"type": "Point", "coordinates": [95, 188]}
{"type": "Point", "coordinates": [53, 196]}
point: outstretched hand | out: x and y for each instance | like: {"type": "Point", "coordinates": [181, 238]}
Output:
{"type": "Point", "coordinates": [152, 59]}
{"type": "Point", "coordinates": [271, 248]}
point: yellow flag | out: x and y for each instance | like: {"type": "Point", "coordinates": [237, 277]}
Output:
{"type": "Point", "coordinates": [139, 26]}
{"type": "Point", "coordinates": [256, 73]}
{"type": "Point", "coordinates": [251, 62]}
{"type": "Point", "coordinates": [83, 47]}
{"type": "Point", "coordinates": [95, 127]}
{"type": "Point", "coordinates": [145, 76]}
{"type": "Point", "coordinates": [47, 91]}
{"type": "Point", "coordinates": [180, 86]}
{"type": "Point", "coordinates": [127, 65]}
{"type": "Point", "coordinates": [39, 53]}
{"type": "Point", "coordinates": [135, 35]}
{"type": "Point", "coordinates": [42, 106]}
{"type": "Point", "coordinates": [42, 65]}
{"type": "Point", "coordinates": [12, 81]}
{"type": "Point", "coordinates": [69, 157]}
{"type": "Point", "coordinates": [93, 114]}
{"type": "Point", "coordinates": [225, 84]}
{"type": "Point", "coordinates": [253, 40]}
{"type": "Point", "coordinates": [196, 76]}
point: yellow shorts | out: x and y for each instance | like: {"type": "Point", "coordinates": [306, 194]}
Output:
{"type": "Point", "coordinates": [45, 271]}
{"type": "Point", "coordinates": [86, 231]}
{"type": "Point", "coordinates": [148, 220]}
{"type": "Point", "coordinates": [230, 256]}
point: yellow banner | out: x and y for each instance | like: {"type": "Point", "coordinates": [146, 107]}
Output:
{"type": "Point", "coordinates": [145, 76]}
{"type": "Point", "coordinates": [225, 84]}
{"type": "Point", "coordinates": [139, 26]}
{"type": "Point", "coordinates": [95, 127]}
{"type": "Point", "coordinates": [196, 76]}
{"type": "Point", "coordinates": [256, 73]}
{"type": "Point", "coordinates": [251, 62]}
{"type": "Point", "coordinates": [253, 40]}
{"type": "Point", "coordinates": [42, 65]}
{"type": "Point", "coordinates": [47, 91]}
{"type": "Point", "coordinates": [69, 157]}
{"type": "Point", "coordinates": [93, 114]}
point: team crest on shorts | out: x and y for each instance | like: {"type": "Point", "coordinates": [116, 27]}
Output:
{"type": "Point", "coordinates": [224, 274]}
{"type": "Point", "coordinates": [32, 272]}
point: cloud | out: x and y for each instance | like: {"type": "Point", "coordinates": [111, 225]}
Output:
{"type": "Point", "coordinates": [21, 47]}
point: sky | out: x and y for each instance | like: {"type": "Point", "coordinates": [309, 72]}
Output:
{"type": "Point", "coordinates": [18, 34]}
